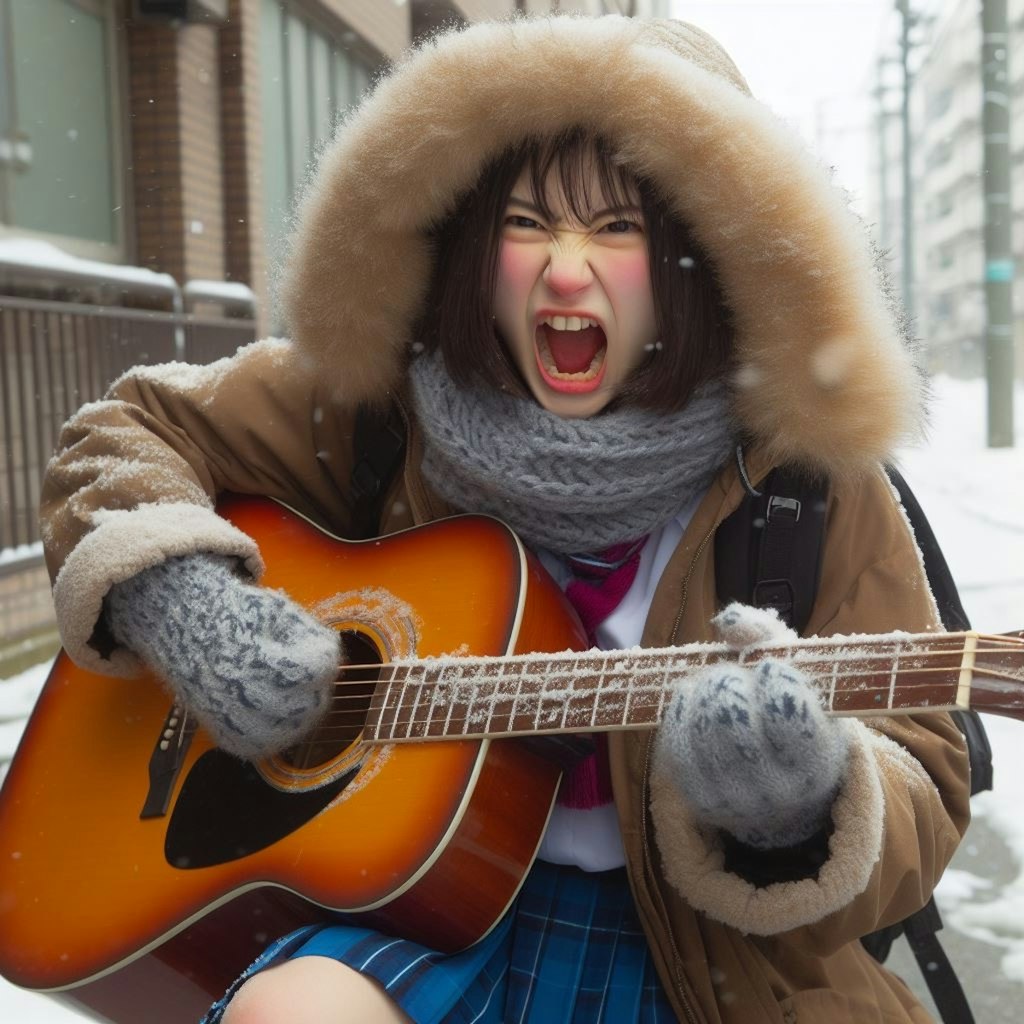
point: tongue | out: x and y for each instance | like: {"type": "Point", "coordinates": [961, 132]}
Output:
{"type": "Point", "coordinates": [573, 351]}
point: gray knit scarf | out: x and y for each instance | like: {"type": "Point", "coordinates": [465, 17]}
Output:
{"type": "Point", "coordinates": [566, 485]}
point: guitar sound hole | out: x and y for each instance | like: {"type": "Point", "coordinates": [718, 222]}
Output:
{"type": "Point", "coordinates": [343, 724]}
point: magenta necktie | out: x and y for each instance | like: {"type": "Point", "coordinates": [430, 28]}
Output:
{"type": "Point", "coordinates": [600, 582]}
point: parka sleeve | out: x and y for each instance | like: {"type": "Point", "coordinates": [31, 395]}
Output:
{"type": "Point", "coordinates": [903, 805]}
{"type": "Point", "coordinates": [135, 477]}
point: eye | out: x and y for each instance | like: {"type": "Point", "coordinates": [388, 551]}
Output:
{"type": "Point", "coordinates": [623, 227]}
{"type": "Point", "coordinates": [517, 220]}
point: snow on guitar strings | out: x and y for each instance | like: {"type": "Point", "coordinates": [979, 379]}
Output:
{"type": "Point", "coordinates": [572, 691]}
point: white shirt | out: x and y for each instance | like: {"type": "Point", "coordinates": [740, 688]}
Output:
{"type": "Point", "coordinates": [589, 838]}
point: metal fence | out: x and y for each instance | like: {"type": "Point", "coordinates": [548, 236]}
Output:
{"type": "Point", "coordinates": [56, 356]}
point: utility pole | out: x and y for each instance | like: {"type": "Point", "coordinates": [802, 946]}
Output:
{"type": "Point", "coordinates": [883, 158]}
{"type": "Point", "coordinates": [999, 269]}
{"type": "Point", "coordinates": [907, 277]}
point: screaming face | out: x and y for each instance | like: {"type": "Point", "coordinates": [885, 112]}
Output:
{"type": "Point", "coordinates": [573, 301]}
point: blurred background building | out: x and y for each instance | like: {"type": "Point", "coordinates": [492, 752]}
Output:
{"type": "Point", "coordinates": [946, 160]}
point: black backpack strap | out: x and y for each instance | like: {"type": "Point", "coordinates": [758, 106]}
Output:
{"type": "Point", "coordinates": [378, 445]}
{"type": "Point", "coordinates": [979, 750]}
{"type": "Point", "coordinates": [940, 579]}
{"type": "Point", "coordinates": [921, 930]}
{"type": "Point", "coordinates": [768, 552]}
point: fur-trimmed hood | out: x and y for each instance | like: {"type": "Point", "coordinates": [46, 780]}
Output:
{"type": "Point", "coordinates": [823, 375]}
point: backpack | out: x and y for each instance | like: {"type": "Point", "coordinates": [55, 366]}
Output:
{"type": "Point", "coordinates": [767, 554]}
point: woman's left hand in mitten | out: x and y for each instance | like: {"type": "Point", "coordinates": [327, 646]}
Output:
{"type": "Point", "coordinates": [751, 749]}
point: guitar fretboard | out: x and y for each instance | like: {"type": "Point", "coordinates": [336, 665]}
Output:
{"type": "Point", "coordinates": [595, 690]}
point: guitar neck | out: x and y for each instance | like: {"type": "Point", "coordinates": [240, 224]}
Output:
{"type": "Point", "coordinates": [451, 698]}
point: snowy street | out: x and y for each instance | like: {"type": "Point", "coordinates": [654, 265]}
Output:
{"type": "Point", "coordinates": [974, 498]}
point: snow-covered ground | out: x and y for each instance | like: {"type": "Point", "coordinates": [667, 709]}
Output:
{"type": "Point", "coordinates": [975, 500]}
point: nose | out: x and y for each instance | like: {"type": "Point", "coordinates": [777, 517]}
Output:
{"type": "Point", "coordinates": [568, 271]}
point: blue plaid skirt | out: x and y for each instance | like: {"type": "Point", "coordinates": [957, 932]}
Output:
{"type": "Point", "coordinates": [569, 951]}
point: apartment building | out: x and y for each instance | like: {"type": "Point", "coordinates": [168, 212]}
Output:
{"type": "Point", "coordinates": [947, 187]}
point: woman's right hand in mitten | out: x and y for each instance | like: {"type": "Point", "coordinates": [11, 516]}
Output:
{"type": "Point", "coordinates": [254, 667]}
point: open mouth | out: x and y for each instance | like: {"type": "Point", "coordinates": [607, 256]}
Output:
{"type": "Point", "coordinates": [571, 353]}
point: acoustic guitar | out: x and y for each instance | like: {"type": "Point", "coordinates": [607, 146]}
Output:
{"type": "Point", "coordinates": [141, 868]}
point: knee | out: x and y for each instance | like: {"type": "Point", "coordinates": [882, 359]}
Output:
{"type": "Point", "coordinates": [311, 990]}
{"type": "Point", "coordinates": [260, 1000]}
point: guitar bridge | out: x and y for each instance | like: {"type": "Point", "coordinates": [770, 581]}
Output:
{"type": "Point", "coordinates": [166, 760]}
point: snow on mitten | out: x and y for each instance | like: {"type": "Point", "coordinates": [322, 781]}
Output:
{"type": "Point", "coordinates": [254, 667]}
{"type": "Point", "coordinates": [752, 750]}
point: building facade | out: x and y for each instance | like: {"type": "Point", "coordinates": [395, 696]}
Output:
{"type": "Point", "coordinates": [178, 132]}
{"type": "Point", "coordinates": [151, 152]}
{"type": "Point", "coordinates": [947, 186]}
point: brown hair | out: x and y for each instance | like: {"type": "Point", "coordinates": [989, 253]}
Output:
{"type": "Point", "coordinates": [694, 328]}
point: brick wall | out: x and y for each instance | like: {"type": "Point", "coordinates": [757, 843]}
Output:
{"type": "Point", "coordinates": [174, 112]}
{"type": "Point", "coordinates": [242, 141]}
{"type": "Point", "coordinates": [199, 110]}
{"type": "Point", "coordinates": [156, 147]}
{"type": "Point", "coordinates": [196, 145]}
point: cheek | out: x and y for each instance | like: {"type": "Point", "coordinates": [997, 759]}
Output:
{"type": "Point", "coordinates": [631, 276]}
{"type": "Point", "coordinates": [515, 279]}
{"type": "Point", "coordinates": [628, 280]}
{"type": "Point", "coordinates": [516, 272]}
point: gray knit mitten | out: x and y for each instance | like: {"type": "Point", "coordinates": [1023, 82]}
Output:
{"type": "Point", "coordinates": [751, 750]}
{"type": "Point", "coordinates": [254, 667]}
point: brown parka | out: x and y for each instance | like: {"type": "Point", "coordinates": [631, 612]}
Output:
{"type": "Point", "coordinates": [822, 379]}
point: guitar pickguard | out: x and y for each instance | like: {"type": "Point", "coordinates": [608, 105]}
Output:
{"type": "Point", "coordinates": [226, 810]}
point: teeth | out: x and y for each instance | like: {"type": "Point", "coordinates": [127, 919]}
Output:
{"type": "Point", "coordinates": [569, 323]}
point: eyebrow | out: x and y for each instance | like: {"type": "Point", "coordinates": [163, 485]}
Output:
{"type": "Point", "coordinates": [534, 208]}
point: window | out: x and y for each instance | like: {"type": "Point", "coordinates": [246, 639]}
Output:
{"type": "Point", "coordinates": [309, 76]}
{"type": "Point", "coordinates": [939, 102]}
{"type": "Point", "coordinates": [940, 154]}
{"type": "Point", "coordinates": [941, 206]}
{"type": "Point", "coordinates": [59, 154]}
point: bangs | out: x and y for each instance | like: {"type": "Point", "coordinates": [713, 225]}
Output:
{"type": "Point", "coordinates": [573, 154]}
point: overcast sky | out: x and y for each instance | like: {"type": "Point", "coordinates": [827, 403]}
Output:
{"type": "Point", "coordinates": [813, 62]}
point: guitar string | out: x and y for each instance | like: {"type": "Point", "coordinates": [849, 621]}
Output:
{"type": "Point", "coordinates": [532, 713]}
{"type": "Point", "coordinates": [531, 718]}
{"type": "Point", "coordinates": [822, 670]}
{"type": "Point", "coordinates": [564, 681]}
{"type": "Point", "coordinates": [951, 648]}
{"type": "Point", "coordinates": [655, 660]}
{"type": "Point", "coordinates": [469, 674]}
{"type": "Point", "coordinates": [501, 726]}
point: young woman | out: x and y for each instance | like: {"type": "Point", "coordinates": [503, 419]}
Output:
{"type": "Point", "coordinates": [608, 292]}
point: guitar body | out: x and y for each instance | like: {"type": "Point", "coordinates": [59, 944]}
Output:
{"type": "Point", "coordinates": [150, 918]}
